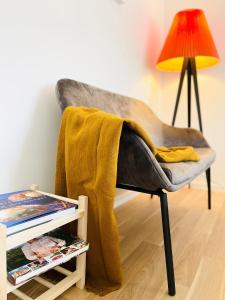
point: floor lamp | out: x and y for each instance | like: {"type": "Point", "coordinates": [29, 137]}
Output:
{"type": "Point", "coordinates": [189, 46]}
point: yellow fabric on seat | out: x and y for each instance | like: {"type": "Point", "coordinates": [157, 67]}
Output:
{"type": "Point", "coordinates": [86, 164]}
{"type": "Point", "coordinates": [176, 154]}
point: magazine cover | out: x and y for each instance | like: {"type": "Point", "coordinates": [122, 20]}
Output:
{"type": "Point", "coordinates": [21, 206]}
{"type": "Point", "coordinates": [40, 254]}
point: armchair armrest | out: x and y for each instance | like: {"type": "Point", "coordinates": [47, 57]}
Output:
{"type": "Point", "coordinates": [137, 166]}
{"type": "Point", "coordinates": [174, 136]}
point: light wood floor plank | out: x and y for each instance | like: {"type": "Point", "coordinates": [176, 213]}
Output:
{"type": "Point", "coordinates": [209, 281]}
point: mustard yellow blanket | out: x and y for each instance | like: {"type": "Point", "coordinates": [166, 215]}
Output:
{"type": "Point", "coordinates": [87, 164]}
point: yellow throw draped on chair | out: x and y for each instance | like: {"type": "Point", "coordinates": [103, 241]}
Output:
{"type": "Point", "coordinates": [87, 164]}
{"type": "Point", "coordinates": [176, 154]}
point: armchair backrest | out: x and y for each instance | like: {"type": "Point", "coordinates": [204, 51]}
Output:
{"type": "Point", "coordinates": [74, 93]}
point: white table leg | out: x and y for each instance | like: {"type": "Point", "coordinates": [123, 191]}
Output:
{"type": "Point", "coordinates": [82, 233]}
{"type": "Point", "coordinates": [3, 263]}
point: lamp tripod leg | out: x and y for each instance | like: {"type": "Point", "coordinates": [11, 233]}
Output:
{"type": "Point", "coordinates": [208, 173]}
{"type": "Point", "coordinates": [189, 73]}
{"type": "Point", "coordinates": [194, 73]}
{"type": "Point", "coordinates": [184, 68]}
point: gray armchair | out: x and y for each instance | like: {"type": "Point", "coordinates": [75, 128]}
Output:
{"type": "Point", "coordinates": [138, 169]}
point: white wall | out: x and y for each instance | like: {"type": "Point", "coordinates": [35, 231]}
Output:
{"type": "Point", "coordinates": [211, 85]}
{"type": "Point", "coordinates": [97, 41]}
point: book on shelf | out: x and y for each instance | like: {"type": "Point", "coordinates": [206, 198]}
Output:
{"type": "Point", "coordinates": [41, 254]}
{"type": "Point", "coordinates": [24, 209]}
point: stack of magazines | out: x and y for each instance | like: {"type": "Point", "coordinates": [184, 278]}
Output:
{"type": "Point", "coordinates": [25, 209]}
{"type": "Point", "coordinates": [41, 254]}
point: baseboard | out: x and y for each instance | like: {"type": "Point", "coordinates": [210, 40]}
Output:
{"type": "Point", "coordinates": [124, 197]}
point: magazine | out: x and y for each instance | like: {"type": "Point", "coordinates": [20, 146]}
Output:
{"type": "Point", "coordinates": [41, 254]}
{"type": "Point", "coordinates": [24, 209]}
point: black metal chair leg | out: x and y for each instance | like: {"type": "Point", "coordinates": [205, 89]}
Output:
{"type": "Point", "coordinates": [208, 178]}
{"type": "Point", "coordinates": [167, 244]}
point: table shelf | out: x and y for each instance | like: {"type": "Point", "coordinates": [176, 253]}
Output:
{"type": "Point", "coordinates": [54, 290]}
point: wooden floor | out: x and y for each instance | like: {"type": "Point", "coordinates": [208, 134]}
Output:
{"type": "Point", "coordinates": [198, 237]}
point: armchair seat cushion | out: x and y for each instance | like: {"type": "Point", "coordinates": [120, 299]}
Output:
{"type": "Point", "coordinates": [181, 172]}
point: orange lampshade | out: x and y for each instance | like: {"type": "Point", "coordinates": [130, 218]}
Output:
{"type": "Point", "coordinates": [189, 36]}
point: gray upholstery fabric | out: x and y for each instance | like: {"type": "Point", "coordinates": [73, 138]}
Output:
{"type": "Point", "coordinates": [183, 171]}
{"type": "Point", "coordinates": [75, 93]}
{"type": "Point", "coordinates": [71, 92]}
{"type": "Point", "coordinates": [136, 164]}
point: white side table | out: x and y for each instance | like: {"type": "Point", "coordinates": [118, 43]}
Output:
{"type": "Point", "coordinates": [54, 290]}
